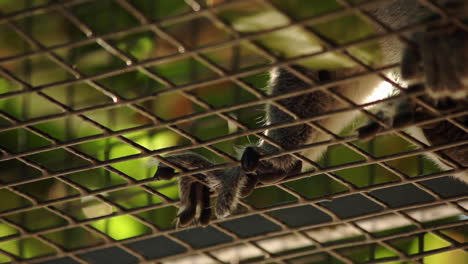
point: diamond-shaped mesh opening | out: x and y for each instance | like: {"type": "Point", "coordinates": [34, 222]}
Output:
{"type": "Point", "coordinates": [162, 218]}
{"type": "Point", "coordinates": [29, 140]}
{"type": "Point", "coordinates": [11, 41]}
{"type": "Point", "coordinates": [78, 96]}
{"type": "Point", "coordinates": [48, 189]}
{"type": "Point", "coordinates": [114, 226]}
{"type": "Point", "coordinates": [58, 159]}
{"type": "Point", "coordinates": [67, 128]}
{"type": "Point", "coordinates": [184, 71]}
{"type": "Point", "coordinates": [142, 86]}
{"type": "Point", "coordinates": [41, 107]}
{"type": "Point", "coordinates": [155, 10]}
{"type": "Point", "coordinates": [16, 171]}
{"type": "Point", "coordinates": [85, 208]}
{"type": "Point", "coordinates": [203, 237]}
{"type": "Point", "coordinates": [96, 179]}
{"type": "Point", "coordinates": [36, 247]}
{"type": "Point", "coordinates": [238, 58]}
{"type": "Point", "coordinates": [62, 238]}
{"type": "Point", "coordinates": [96, 98]}
{"type": "Point", "coordinates": [108, 11]}
{"type": "Point", "coordinates": [157, 247]}
{"type": "Point", "coordinates": [40, 70]}
{"type": "Point", "coordinates": [186, 32]}
{"type": "Point", "coordinates": [250, 226]}
{"type": "Point", "coordinates": [56, 22]}
{"type": "Point", "coordinates": [119, 118]}
{"type": "Point", "coordinates": [363, 254]}
{"type": "Point", "coordinates": [36, 219]}
{"type": "Point", "coordinates": [90, 59]}
{"type": "Point", "coordinates": [114, 254]}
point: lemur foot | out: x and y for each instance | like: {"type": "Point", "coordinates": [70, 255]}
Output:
{"type": "Point", "coordinates": [264, 170]}
{"type": "Point", "coordinates": [195, 190]}
{"type": "Point", "coordinates": [440, 59]}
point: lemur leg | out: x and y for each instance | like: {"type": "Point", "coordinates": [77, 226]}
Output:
{"type": "Point", "coordinates": [276, 169]}
{"type": "Point", "coordinates": [229, 184]}
{"type": "Point", "coordinates": [230, 190]}
{"type": "Point", "coordinates": [439, 57]}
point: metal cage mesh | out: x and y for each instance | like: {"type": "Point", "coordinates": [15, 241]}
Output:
{"type": "Point", "coordinates": [87, 107]}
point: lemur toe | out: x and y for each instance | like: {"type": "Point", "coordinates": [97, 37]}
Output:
{"type": "Point", "coordinates": [164, 173]}
{"type": "Point", "coordinates": [440, 57]}
{"type": "Point", "coordinates": [205, 214]}
{"type": "Point", "coordinates": [249, 186]}
{"type": "Point", "coordinates": [250, 159]}
{"type": "Point", "coordinates": [189, 203]}
{"type": "Point", "coordinates": [273, 177]}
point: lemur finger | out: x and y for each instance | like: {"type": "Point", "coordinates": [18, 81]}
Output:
{"type": "Point", "coordinates": [205, 212]}
{"type": "Point", "coordinates": [411, 63]}
{"type": "Point", "coordinates": [249, 186]}
{"type": "Point", "coordinates": [188, 200]}
{"type": "Point", "coordinates": [164, 173]}
{"type": "Point", "coordinates": [250, 159]}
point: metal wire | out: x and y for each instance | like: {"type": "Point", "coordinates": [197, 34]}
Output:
{"type": "Point", "coordinates": [209, 245]}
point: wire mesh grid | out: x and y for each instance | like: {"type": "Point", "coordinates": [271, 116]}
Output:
{"type": "Point", "coordinates": [94, 94]}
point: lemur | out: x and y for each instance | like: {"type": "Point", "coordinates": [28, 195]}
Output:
{"type": "Point", "coordinates": [437, 57]}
